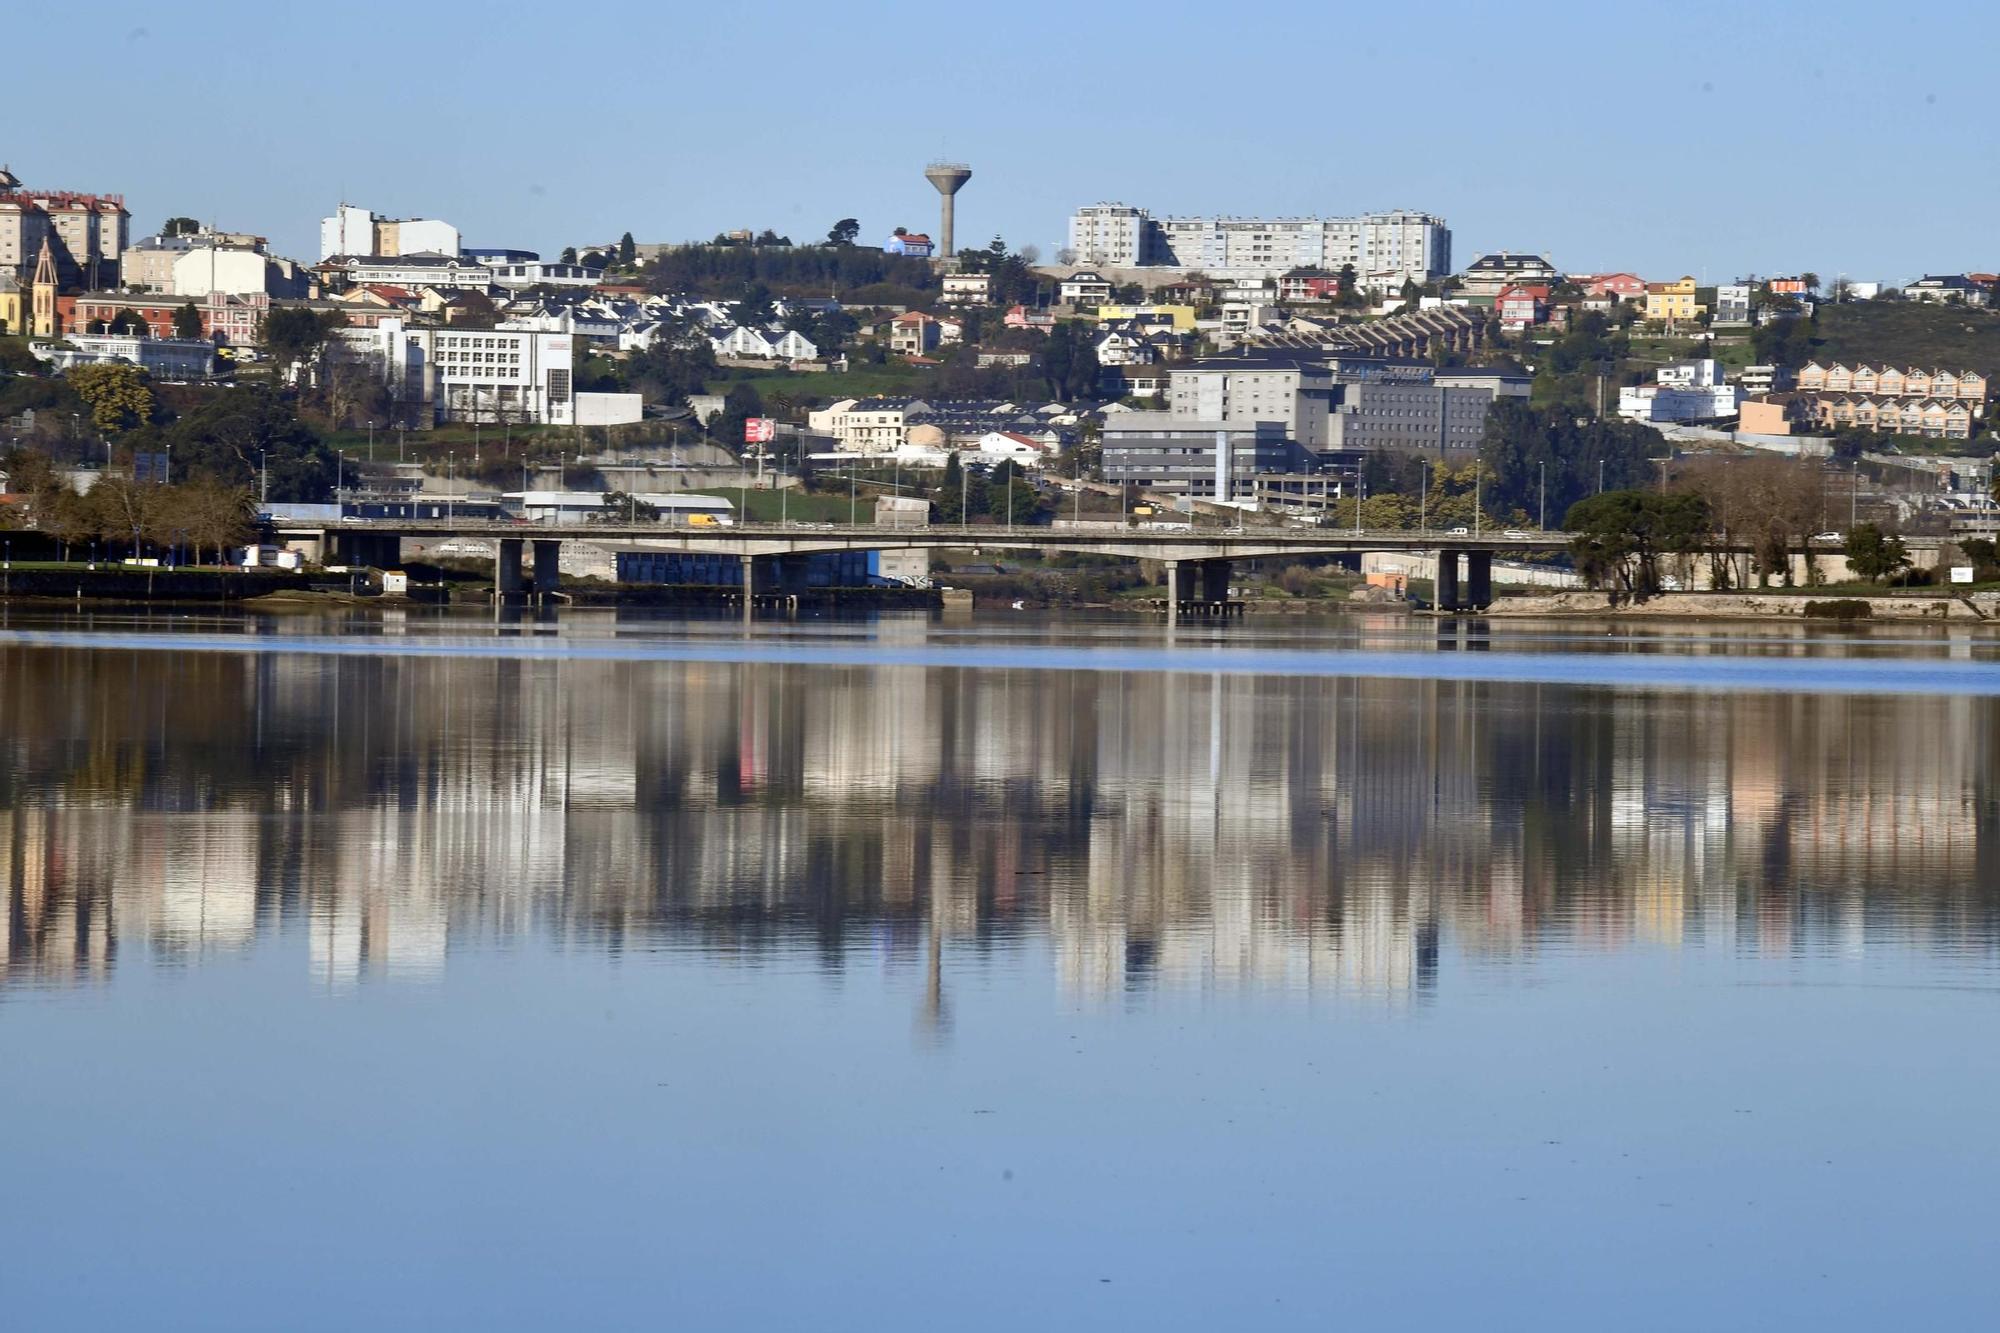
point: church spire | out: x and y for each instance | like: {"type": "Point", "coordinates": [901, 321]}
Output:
{"type": "Point", "coordinates": [45, 323]}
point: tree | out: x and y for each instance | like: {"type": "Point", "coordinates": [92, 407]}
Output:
{"type": "Point", "coordinates": [624, 507]}
{"type": "Point", "coordinates": [292, 335]}
{"type": "Point", "coordinates": [754, 307]}
{"type": "Point", "coordinates": [1811, 281]}
{"type": "Point", "coordinates": [628, 251]}
{"type": "Point", "coordinates": [1784, 341]}
{"type": "Point", "coordinates": [947, 496]}
{"type": "Point", "coordinates": [1069, 361]}
{"type": "Point", "coordinates": [187, 321]}
{"type": "Point", "coordinates": [843, 232]}
{"type": "Point", "coordinates": [1873, 554]}
{"type": "Point", "coordinates": [1346, 294]}
{"type": "Point", "coordinates": [180, 227]}
{"type": "Point", "coordinates": [1009, 492]}
{"type": "Point", "coordinates": [116, 394]}
{"type": "Point", "coordinates": [741, 403]}
{"type": "Point", "coordinates": [568, 255]}
{"type": "Point", "coordinates": [1618, 537]}
{"type": "Point", "coordinates": [250, 437]}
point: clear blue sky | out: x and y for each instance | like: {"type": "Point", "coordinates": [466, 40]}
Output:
{"type": "Point", "coordinates": [1699, 136]}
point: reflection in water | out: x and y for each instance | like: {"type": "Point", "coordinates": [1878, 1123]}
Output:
{"type": "Point", "coordinates": [1147, 830]}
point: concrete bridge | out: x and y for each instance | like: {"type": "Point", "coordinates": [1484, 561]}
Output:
{"type": "Point", "coordinates": [1198, 562]}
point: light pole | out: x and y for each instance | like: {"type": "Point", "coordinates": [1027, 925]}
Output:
{"type": "Point", "coordinates": [1424, 499]}
{"type": "Point", "coordinates": [1542, 471]}
{"type": "Point", "coordinates": [1854, 499]}
{"type": "Point", "coordinates": [371, 441]}
{"type": "Point", "coordinates": [450, 475]}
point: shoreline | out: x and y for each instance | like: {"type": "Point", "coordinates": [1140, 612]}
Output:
{"type": "Point", "coordinates": [1974, 609]}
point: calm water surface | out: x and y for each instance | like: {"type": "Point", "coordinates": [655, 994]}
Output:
{"type": "Point", "coordinates": [626, 972]}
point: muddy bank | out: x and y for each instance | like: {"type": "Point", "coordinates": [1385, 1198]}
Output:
{"type": "Point", "coordinates": [1755, 606]}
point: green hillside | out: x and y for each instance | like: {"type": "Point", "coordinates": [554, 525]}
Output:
{"type": "Point", "coordinates": [1909, 333]}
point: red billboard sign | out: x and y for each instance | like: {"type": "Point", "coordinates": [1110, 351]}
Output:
{"type": "Point", "coordinates": [759, 430]}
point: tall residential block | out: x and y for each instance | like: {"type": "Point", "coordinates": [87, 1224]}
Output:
{"type": "Point", "coordinates": [1385, 248]}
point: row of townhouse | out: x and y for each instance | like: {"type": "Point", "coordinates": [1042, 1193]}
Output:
{"type": "Point", "coordinates": [1888, 381]}
{"type": "Point", "coordinates": [1417, 334]}
{"type": "Point", "coordinates": [887, 425]}
{"type": "Point", "coordinates": [1934, 418]}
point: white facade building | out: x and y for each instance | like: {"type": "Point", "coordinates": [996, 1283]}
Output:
{"type": "Point", "coordinates": [1384, 248]}
{"type": "Point", "coordinates": [1114, 236]}
{"type": "Point", "coordinates": [234, 270]}
{"type": "Point", "coordinates": [419, 270]}
{"type": "Point", "coordinates": [168, 358]}
{"type": "Point", "coordinates": [358, 231]}
{"type": "Point", "coordinates": [1686, 391]}
{"type": "Point", "coordinates": [520, 375]}
{"type": "Point", "coordinates": [500, 374]}
{"type": "Point", "coordinates": [538, 273]}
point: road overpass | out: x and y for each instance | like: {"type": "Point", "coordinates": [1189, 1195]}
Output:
{"type": "Point", "coordinates": [1198, 561]}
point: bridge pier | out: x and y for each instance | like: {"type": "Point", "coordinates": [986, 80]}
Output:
{"type": "Point", "coordinates": [374, 550]}
{"type": "Point", "coordinates": [548, 567]}
{"type": "Point", "coordinates": [749, 588]}
{"type": "Point", "coordinates": [507, 568]}
{"type": "Point", "coordinates": [1478, 580]}
{"type": "Point", "coordinates": [1445, 596]}
{"type": "Point", "coordinates": [1215, 581]}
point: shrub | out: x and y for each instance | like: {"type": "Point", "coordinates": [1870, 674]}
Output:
{"type": "Point", "coordinates": [1840, 608]}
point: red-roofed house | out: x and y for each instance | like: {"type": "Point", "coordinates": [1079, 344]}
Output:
{"type": "Point", "coordinates": [1518, 307]}
{"type": "Point", "coordinates": [1619, 286]}
{"type": "Point", "coordinates": [1002, 446]}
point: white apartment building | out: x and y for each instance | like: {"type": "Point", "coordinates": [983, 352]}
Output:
{"type": "Point", "coordinates": [500, 374]}
{"type": "Point", "coordinates": [495, 375]}
{"type": "Point", "coordinates": [540, 273]}
{"type": "Point", "coordinates": [1686, 391]}
{"type": "Point", "coordinates": [168, 358]}
{"type": "Point", "coordinates": [358, 231]}
{"type": "Point", "coordinates": [418, 270]}
{"type": "Point", "coordinates": [1113, 236]}
{"type": "Point", "coordinates": [212, 268]}
{"type": "Point", "coordinates": [1384, 248]}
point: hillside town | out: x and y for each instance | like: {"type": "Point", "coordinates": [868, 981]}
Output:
{"type": "Point", "coordinates": [1327, 370]}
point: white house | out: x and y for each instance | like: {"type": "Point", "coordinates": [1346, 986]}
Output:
{"type": "Point", "coordinates": [967, 288]}
{"type": "Point", "coordinates": [1005, 446]}
{"type": "Point", "coordinates": [537, 273]}
{"type": "Point", "coordinates": [1085, 288]}
{"type": "Point", "coordinates": [1686, 391]}
{"type": "Point", "coordinates": [781, 345]}
{"type": "Point", "coordinates": [168, 358]}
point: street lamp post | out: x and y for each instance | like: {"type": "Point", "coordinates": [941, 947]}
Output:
{"type": "Point", "coordinates": [1542, 471]}
{"type": "Point", "coordinates": [1424, 499]}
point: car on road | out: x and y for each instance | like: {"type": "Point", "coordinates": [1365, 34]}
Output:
{"type": "Point", "coordinates": [1461, 532]}
{"type": "Point", "coordinates": [1514, 532]}
{"type": "Point", "coordinates": [1828, 537]}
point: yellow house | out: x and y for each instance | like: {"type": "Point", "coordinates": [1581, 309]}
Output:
{"type": "Point", "coordinates": [13, 312]}
{"type": "Point", "coordinates": [1182, 316]}
{"type": "Point", "coordinates": [1671, 302]}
